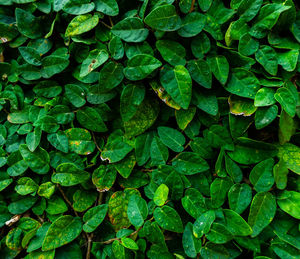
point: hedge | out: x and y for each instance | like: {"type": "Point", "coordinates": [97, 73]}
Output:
{"type": "Point", "coordinates": [149, 129]}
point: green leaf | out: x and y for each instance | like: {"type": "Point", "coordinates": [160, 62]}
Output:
{"type": "Point", "coordinates": [192, 24]}
{"type": "Point", "coordinates": [132, 96]}
{"type": "Point", "coordinates": [115, 151]}
{"type": "Point", "coordinates": [261, 176]}
{"type": "Point", "coordinates": [143, 119]}
{"type": "Point", "coordinates": [140, 66]}
{"type": "Point", "coordinates": [130, 29]}
{"type": "Point", "coordinates": [193, 202]}
{"type": "Point", "coordinates": [262, 212]}
{"type": "Point", "coordinates": [200, 72]}
{"type": "Point", "coordinates": [75, 94]}
{"type": "Point", "coordinates": [158, 151]}
{"type": "Point", "coordinates": [28, 24]}
{"type": "Point", "coordinates": [172, 138]}
{"type": "Point", "coordinates": [264, 97]}
{"type": "Point", "coordinates": [219, 234]}
{"type": "Point", "coordinates": [94, 217]}
{"type": "Point", "coordinates": [161, 195]}
{"type": "Point", "coordinates": [38, 160]}
{"type": "Point", "coordinates": [219, 67]}
{"type": "Point", "coordinates": [76, 7]}
{"type": "Point", "coordinates": [68, 174]}
{"type": "Point", "coordinates": [218, 191]}
{"type": "Point", "coordinates": [203, 223]}
{"type": "Point", "coordinates": [266, 19]}
{"type": "Point", "coordinates": [59, 140]}
{"type": "Point", "coordinates": [191, 245]}
{"type": "Point", "coordinates": [243, 83]}
{"type": "Point", "coordinates": [33, 139]}
{"type": "Point", "coordinates": [104, 177]}
{"type": "Point", "coordinates": [239, 197]}
{"type": "Point", "coordinates": [95, 59]}
{"type": "Point", "coordinates": [52, 65]}
{"type": "Point", "coordinates": [80, 141]}
{"type": "Point", "coordinates": [288, 60]}
{"type": "Point", "coordinates": [47, 89]}
{"type": "Point", "coordinates": [108, 7]}
{"type": "Point", "coordinates": [284, 96]}
{"type": "Point", "coordinates": [137, 210]}
{"type": "Point", "coordinates": [61, 232]}
{"type": "Point", "coordinates": [236, 224]}
{"type": "Point", "coordinates": [30, 55]}
{"type": "Point", "coordinates": [164, 18]}
{"type": "Point", "coordinates": [168, 219]}
{"type": "Point", "coordinates": [290, 155]}
{"type": "Point", "coordinates": [81, 24]}
{"type": "Point", "coordinates": [129, 243]}
{"type": "Point", "coordinates": [26, 185]}
{"type": "Point", "coordinates": [89, 118]}
{"type": "Point", "coordinates": [288, 201]}
{"type": "Point", "coordinates": [189, 163]}
{"type": "Point", "coordinates": [267, 57]}
{"type": "Point", "coordinates": [178, 84]}
{"type": "Point", "coordinates": [171, 51]}
{"type": "Point", "coordinates": [247, 45]}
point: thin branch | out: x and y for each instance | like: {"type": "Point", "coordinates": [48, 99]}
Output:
{"type": "Point", "coordinates": [118, 239]}
{"type": "Point", "coordinates": [192, 6]}
{"type": "Point", "coordinates": [89, 246]}
{"type": "Point", "coordinates": [106, 25]}
{"type": "Point", "coordinates": [185, 147]}
{"type": "Point", "coordinates": [96, 142]}
{"type": "Point", "coordinates": [100, 198]}
{"type": "Point", "coordinates": [66, 199]}
{"type": "Point", "coordinates": [110, 21]}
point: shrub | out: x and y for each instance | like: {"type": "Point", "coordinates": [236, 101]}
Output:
{"type": "Point", "coordinates": [149, 129]}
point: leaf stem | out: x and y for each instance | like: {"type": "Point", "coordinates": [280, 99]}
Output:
{"type": "Point", "coordinates": [66, 199]}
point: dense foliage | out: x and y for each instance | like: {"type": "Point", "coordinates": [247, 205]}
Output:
{"type": "Point", "coordinates": [149, 129]}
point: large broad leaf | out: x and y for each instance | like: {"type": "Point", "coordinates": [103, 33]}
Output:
{"type": "Point", "coordinates": [68, 174]}
{"type": "Point", "coordinates": [108, 7]}
{"type": "Point", "coordinates": [171, 138]}
{"type": "Point", "coordinates": [219, 67]}
{"type": "Point", "coordinates": [261, 176]}
{"type": "Point", "coordinates": [81, 24]}
{"type": "Point", "coordinates": [267, 57]}
{"type": "Point", "coordinates": [38, 161]}
{"type": "Point", "coordinates": [164, 18]}
{"type": "Point", "coordinates": [131, 30]}
{"type": "Point", "coordinates": [95, 59]}
{"type": "Point", "coordinates": [289, 202]}
{"type": "Point", "coordinates": [243, 83]}
{"type": "Point", "coordinates": [236, 224]}
{"type": "Point", "coordinates": [168, 219]}
{"type": "Point", "coordinates": [80, 141]}
{"type": "Point", "coordinates": [200, 72]}
{"type": "Point", "coordinates": [287, 101]}
{"type": "Point", "coordinates": [189, 163]}
{"type": "Point", "coordinates": [104, 177]}
{"type": "Point", "coordinates": [53, 64]}
{"type": "Point", "coordinates": [191, 245]}
{"type": "Point", "coordinates": [94, 217]}
{"type": "Point", "coordinates": [61, 232]}
{"type": "Point", "coordinates": [203, 223]}
{"type": "Point", "coordinates": [290, 154]}
{"type": "Point", "coordinates": [192, 24]}
{"type": "Point", "coordinates": [132, 96]}
{"type": "Point", "coordinates": [178, 84]}
{"type": "Point", "coordinates": [239, 197]}
{"type": "Point", "coordinates": [193, 202]}
{"type": "Point", "coordinates": [89, 118]}
{"type": "Point", "coordinates": [218, 191]}
{"type": "Point", "coordinates": [141, 66]}
{"type": "Point", "coordinates": [143, 119]}
{"type": "Point", "coordinates": [28, 24]}
{"type": "Point", "coordinates": [262, 212]}
{"type": "Point", "coordinates": [266, 19]}
{"type": "Point", "coordinates": [137, 210]}
{"type": "Point", "coordinates": [171, 51]}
